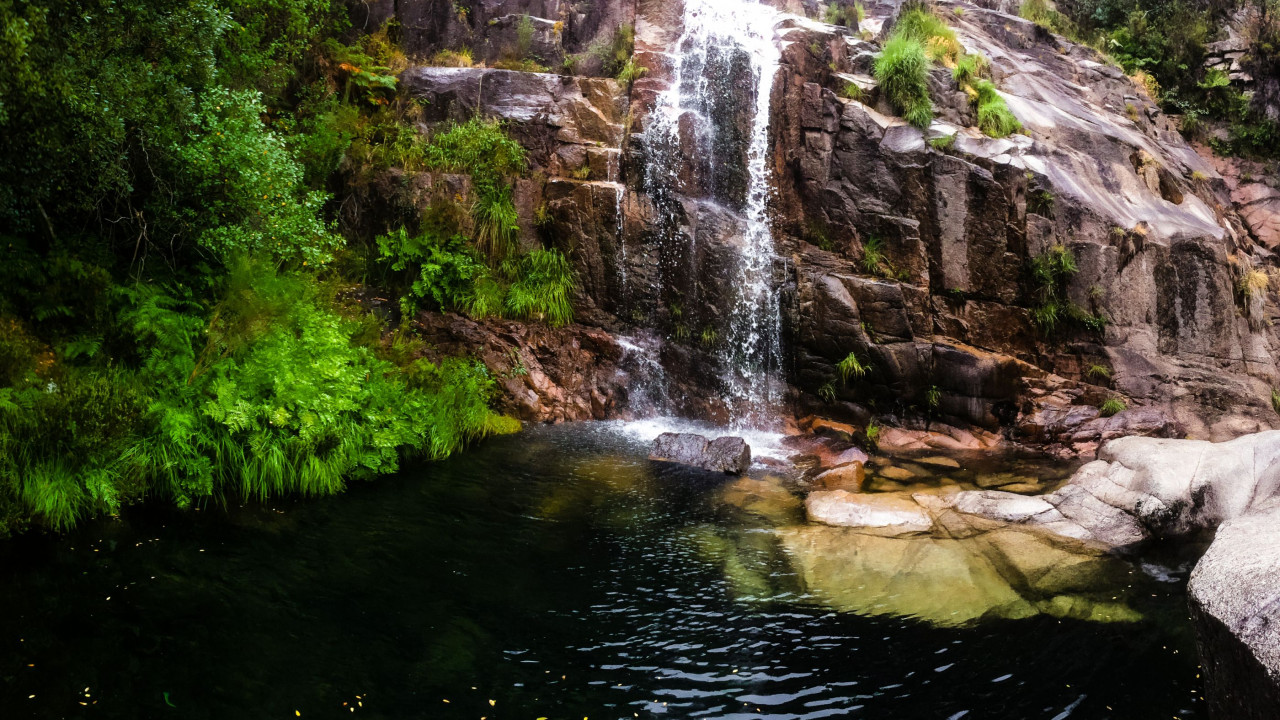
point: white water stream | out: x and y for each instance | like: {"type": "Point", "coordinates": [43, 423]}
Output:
{"type": "Point", "coordinates": [750, 354]}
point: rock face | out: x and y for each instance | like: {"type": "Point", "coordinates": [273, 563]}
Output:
{"type": "Point", "coordinates": [1235, 603]}
{"type": "Point", "coordinates": [945, 320]}
{"type": "Point", "coordinates": [729, 455]}
{"type": "Point", "coordinates": [1100, 171]}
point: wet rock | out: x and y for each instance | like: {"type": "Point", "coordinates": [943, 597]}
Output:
{"type": "Point", "coordinates": [543, 374]}
{"type": "Point", "coordinates": [939, 461]}
{"type": "Point", "coordinates": [888, 513]}
{"type": "Point", "coordinates": [1235, 603]}
{"type": "Point", "coordinates": [729, 455]}
{"type": "Point", "coordinates": [850, 476]}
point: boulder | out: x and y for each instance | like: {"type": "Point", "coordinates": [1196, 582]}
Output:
{"type": "Point", "coordinates": [1235, 604]}
{"type": "Point", "coordinates": [1143, 487]}
{"type": "Point", "coordinates": [729, 455]}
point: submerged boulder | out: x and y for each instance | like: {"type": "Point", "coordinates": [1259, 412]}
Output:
{"type": "Point", "coordinates": [729, 455]}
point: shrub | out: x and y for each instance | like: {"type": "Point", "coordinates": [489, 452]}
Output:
{"type": "Point", "coordinates": [839, 12]}
{"type": "Point", "coordinates": [497, 225]}
{"type": "Point", "coordinates": [630, 72]}
{"type": "Point", "coordinates": [276, 399]}
{"type": "Point", "coordinates": [943, 143]}
{"type": "Point", "coordinates": [902, 71]}
{"type": "Point", "coordinates": [969, 69]}
{"type": "Point", "coordinates": [452, 58]}
{"type": "Point", "coordinates": [482, 149]}
{"type": "Point", "coordinates": [931, 31]}
{"type": "Point", "coordinates": [1098, 372]}
{"type": "Point", "coordinates": [1039, 12]}
{"type": "Point", "coordinates": [1254, 283]}
{"type": "Point", "coordinates": [1275, 400]}
{"type": "Point", "coordinates": [250, 183]}
{"type": "Point", "coordinates": [873, 255]}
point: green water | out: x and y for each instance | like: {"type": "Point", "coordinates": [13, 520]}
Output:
{"type": "Point", "coordinates": [557, 574]}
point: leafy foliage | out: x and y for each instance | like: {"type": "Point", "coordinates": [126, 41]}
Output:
{"type": "Point", "coordinates": [165, 329]}
{"type": "Point", "coordinates": [851, 367]}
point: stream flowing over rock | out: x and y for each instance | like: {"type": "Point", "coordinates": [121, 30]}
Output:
{"type": "Point", "coordinates": [733, 183]}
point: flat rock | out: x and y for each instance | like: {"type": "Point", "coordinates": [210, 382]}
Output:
{"type": "Point", "coordinates": [886, 511]}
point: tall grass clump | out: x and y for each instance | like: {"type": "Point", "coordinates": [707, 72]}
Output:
{"type": "Point", "coordinates": [541, 288]}
{"type": "Point", "coordinates": [994, 116]}
{"type": "Point", "coordinates": [931, 31]}
{"type": "Point", "coordinates": [902, 70]}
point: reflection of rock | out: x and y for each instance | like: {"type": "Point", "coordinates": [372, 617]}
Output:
{"type": "Point", "coordinates": [765, 498]}
{"type": "Point", "coordinates": [888, 512]}
{"type": "Point", "coordinates": [750, 561]}
{"type": "Point", "coordinates": [1235, 601]}
{"type": "Point", "coordinates": [1004, 573]}
{"type": "Point", "coordinates": [729, 455]}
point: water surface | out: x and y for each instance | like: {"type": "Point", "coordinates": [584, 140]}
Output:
{"type": "Point", "coordinates": [552, 574]}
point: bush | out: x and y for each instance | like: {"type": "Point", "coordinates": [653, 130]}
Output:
{"type": "Point", "coordinates": [483, 150]}
{"type": "Point", "coordinates": [275, 398]}
{"type": "Point", "coordinates": [253, 198]}
{"type": "Point", "coordinates": [840, 12]}
{"type": "Point", "coordinates": [902, 70]}
{"type": "Point", "coordinates": [851, 367]}
{"type": "Point", "coordinates": [969, 69]}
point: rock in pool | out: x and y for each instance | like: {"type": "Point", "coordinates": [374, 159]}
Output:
{"type": "Point", "coordinates": [729, 455]}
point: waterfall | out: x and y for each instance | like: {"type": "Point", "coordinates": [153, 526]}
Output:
{"type": "Point", "coordinates": [717, 34]}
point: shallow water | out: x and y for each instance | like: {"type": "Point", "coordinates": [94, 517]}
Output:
{"type": "Point", "coordinates": [551, 574]}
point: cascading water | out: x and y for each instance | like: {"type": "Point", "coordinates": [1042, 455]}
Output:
{"type": "Point", "coordinates": [717, 36]}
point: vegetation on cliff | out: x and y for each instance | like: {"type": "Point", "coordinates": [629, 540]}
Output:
{"type": "Point", "coordinates": [1162, 43]}
{"type": "Point", "coordinates": [174, 292]}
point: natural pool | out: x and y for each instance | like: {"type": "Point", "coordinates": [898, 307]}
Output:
{"type": "Point", "coordinates": [559, 574]}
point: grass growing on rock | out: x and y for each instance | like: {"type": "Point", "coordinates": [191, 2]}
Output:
{"type": "Point", "coordinates": [994, 117]}
{"type": "Point", "coordinates": [902, 70]}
